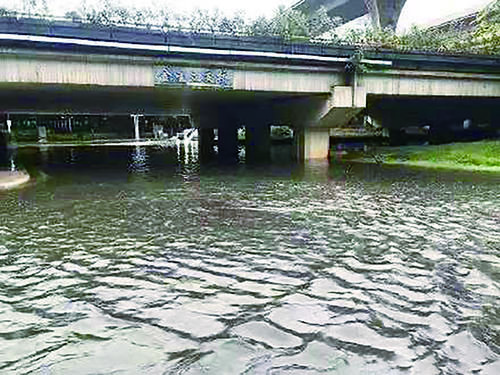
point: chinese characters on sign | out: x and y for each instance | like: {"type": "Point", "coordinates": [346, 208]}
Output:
{"type": "Point", "coordinates": [175, 75]}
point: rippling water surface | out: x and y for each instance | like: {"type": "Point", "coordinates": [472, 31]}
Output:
{"type": "Point", "coordinates": [135, 261]}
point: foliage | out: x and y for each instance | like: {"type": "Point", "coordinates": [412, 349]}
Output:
{"type": "Point", "coordinates": [5, 12]}
{"type": "Point", "coordinates": [37, 7]}
{"type": "Point", "coordinates": [110, 14]}
{"type": "Point", "coordinates": [474, 154]}
{"type": "Point", "coordinates": [320, 23]}
{"type": "Point", "coordinates": [484, 155]}
{"type": "Point", "coordinates": [291, 24]}
{"type": "Point", "coordinates": [286, 23]}
{"type": "Point", "coordinates": [202, 20]}
{"type": "Point", "coordinates": [355, 63]}
{"type": "Point", "coordinates": [486, 37]}
{"type": "Point", "coordinates": [414, 40]}
{"type": "Point", "coordinates": [260, 27]}
{"type": "Point", "coordinates": [281, 132]}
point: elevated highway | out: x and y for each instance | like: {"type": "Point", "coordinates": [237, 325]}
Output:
{"type": "Point", "coordinates": [225, 81]}
{"type": "Point", "coordinates": [384, 13]}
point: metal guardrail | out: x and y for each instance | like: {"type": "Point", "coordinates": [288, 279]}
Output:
{"type": "Point", "coordinates": [165, 29]}
{"type": "Point", "coordinates": [155, 35]}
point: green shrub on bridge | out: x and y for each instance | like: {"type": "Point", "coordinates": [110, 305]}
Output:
{"type": "Point", "coordinates": [293, 26]}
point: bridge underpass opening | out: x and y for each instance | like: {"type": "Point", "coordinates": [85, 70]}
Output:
{"type": "Point", "coordinates": [112, 107]}
{"type": "Point", "coordinates": [436, 119]}
{"type": "Point", "coordinates": [45, 127]}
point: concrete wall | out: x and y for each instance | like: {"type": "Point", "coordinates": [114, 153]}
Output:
{"type": "Point", "coordinates": [285, 81]}
{"type": "Point", "coordinates": [27, 66]}
{"type": "Point", "coordinates": [422, 83]}
{"type": "Point", "coordinates": [313, 144]}
{"type": "Point", "coordinates": [72, 71]}
{"type": "Point", "coordinates": [115, 70]}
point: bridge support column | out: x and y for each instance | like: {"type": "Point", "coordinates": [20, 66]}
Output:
{"type": "Point", "coordinates": [258, 143]}
{"type": "Point", "coordinates": [8, 124]}
{"type": "Point", "coordinates": [313, 143]}
{"type": "Point", "coordinates": [4, 141]}
{"type": "Point", "coordinates": [136, 126]}
{"type": "Point", "coordinates": [228, 143]}
{"type": "Point", "coordinates": [206, 141]}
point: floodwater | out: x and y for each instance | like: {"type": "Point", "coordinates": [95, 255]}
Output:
{"type": "Point", "coordinates": [141, 261]}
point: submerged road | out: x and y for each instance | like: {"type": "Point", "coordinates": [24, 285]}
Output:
{"type": "Point", "coordinates": [146, 262]}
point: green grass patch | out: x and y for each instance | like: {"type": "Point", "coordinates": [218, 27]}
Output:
{"type": "Point", "coordinates": [484, 155]}
{"type": "Point", "coordinates": [472, 156]}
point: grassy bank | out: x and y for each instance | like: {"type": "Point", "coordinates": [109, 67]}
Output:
{"type": "Point", "coordinates": [474, 156]}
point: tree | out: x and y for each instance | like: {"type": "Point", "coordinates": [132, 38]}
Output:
{"type": "Point", "coordinates": [289, 23]}
{"type": "Point", "coordinates": [486, 37]}
{"type": "Point", "coordinates": [320, 23]}
{"type": "Point", "coordinates": [34, 7]}
{"type": "Point", "coordinates": [262, 26]}
{"type": "Point", "coordinates": [144, 17]}
{"type": "Point", "coordinates": [5, 12]}
{"type": "Point", "coordinates": [108, 14]}
{"type": "Point", "coordinates": [235, 25]}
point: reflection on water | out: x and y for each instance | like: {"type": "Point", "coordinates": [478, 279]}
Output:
{"type": "Point", "coordinates": [140, 261]}
{"type": "Point", "coordinates": [7, 160]}
{"type": "Point", "coordinates": [139, 162]}
{"type": "Point", "coordinates": [187, 152]}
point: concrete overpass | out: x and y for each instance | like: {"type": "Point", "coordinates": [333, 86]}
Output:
{"type": "Point", "coordinates": [346, 9]}
{"type": "Point", "coordinates": [224, 82]}
{"type": "Point", "coordinates": [384, 13]}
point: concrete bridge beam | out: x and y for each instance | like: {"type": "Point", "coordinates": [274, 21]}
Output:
{"type": "Point", "coordinates": [4, 140]}
{"type": "Point", "coordinates": [385, 13]}
{"type": "Point", "coordinates": [313, 139]}
{"type": "Point", "coordinates": [206, 143]}
{"type": "Point", "coordinates": [258, 143]}
{"type": "Point", "coordinates": [346, 102]}
{"type": "Point", "coordinates": [227, 142]}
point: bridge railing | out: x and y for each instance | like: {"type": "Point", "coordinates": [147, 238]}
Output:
{"type": "Point", "coordinates": [12, 21]}
{"type": "Point", "coordinates": [19, 23]}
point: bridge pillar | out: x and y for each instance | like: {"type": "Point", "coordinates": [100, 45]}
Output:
{"type": "Point", "coordinates": [206, 143]}
{"type": "Point", "coordinates": [312, 143]}
{"type": "Point", "coordinates": [258, 143]}
{"type": "Point", "coordinates": [227, 143]}
{"type": "Point", "coordinates": [136, 126]}
{"type": "Point", "coordinates": [4, 141]}
{"type": "Point", "coordinates": [385, 13]}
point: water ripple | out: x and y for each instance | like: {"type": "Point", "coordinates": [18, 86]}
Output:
{"type": "Point", "coordinates": [383, 272]}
